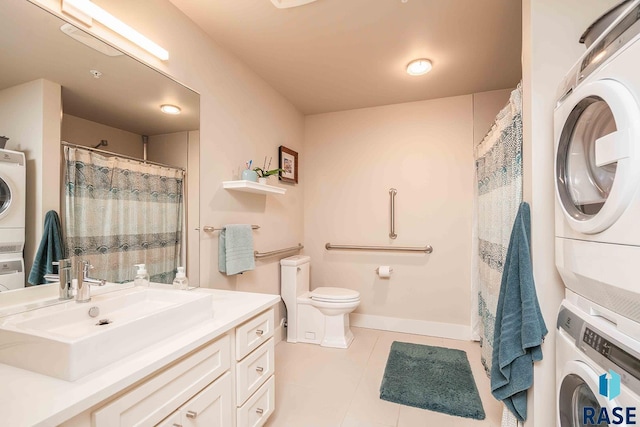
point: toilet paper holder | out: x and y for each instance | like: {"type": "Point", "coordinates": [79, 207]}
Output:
{"type": "Point", "coordinates": [377, 270]}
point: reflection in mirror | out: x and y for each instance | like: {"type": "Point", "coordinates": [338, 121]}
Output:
{"type": "Point", "coordinates": [59, 83]}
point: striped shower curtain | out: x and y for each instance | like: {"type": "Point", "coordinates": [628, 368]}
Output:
{"type": "Point", "coordinates": [498, 159]}
{"type": "Point", "coordinates": [121, 212]}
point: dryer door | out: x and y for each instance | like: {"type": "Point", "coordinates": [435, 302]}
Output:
{"type": "Point", "coordinates": [597, 161]}
{"type": "Point", "coordinates": [5, 197]}
{"type": "Point", "coordinates": [578, 396]}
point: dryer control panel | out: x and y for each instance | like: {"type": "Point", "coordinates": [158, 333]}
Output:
{"type": "Point", "coordinates": [625, 31]}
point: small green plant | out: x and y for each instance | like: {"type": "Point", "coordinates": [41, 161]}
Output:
{"type": "Point", "coordinates": [264, 173]}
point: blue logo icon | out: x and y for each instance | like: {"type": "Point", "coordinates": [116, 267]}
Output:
{"type": "Point", "coordinates": [610, 387]}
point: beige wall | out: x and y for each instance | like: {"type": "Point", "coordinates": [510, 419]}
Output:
{"type": "Point", "coordinates": [486, 106]}
{"type": "Point", "coordinates": [551, 30]}
{"type": "Point", "coordinates": [30, 117]}
{"type": "Point", "coordinates": [242, 118]}
{"type": "Point", "coordinates": [88, 133]}
{"type": "Point", "coordinates": [352, 159]}
{"type": "Point", "coordinates": [424, 150]}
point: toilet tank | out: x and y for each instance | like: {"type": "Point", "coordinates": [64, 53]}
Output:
{"type": "Point", "coordinates": [294, 276]}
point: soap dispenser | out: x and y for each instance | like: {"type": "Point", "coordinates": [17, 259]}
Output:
{"type": "Point", "coordinates": [142, 277]}
{"type": "Point", "coordinates": [181, 281]}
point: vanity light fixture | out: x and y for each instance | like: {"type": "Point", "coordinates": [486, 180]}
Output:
{"type": "Point", "coordinates": [418, 67]}
{"type": "Point", "coordinates": [170, 109]}
{"type": "Point", "coordinates": [88, 40]}
{"type": "Point", "coordinates": [85, 11]}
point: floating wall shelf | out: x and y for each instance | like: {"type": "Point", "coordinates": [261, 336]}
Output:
{"type": "Point", "coordinates": [252, 187]}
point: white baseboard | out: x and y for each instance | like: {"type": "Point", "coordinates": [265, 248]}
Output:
{"type": "Point", "coordinates": [411, 326]}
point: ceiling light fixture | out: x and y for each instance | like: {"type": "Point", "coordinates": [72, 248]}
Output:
{"type": "Point", "coordinates": [419, 67]}
{"type": "Point", "coordinates": [85, 11]}
{"type": "Point", "coordinates": [170, 109]}
{"type": "Point", "coordinates": [285, 4]}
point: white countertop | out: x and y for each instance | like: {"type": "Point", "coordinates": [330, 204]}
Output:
{"type": "Point", "coordinates": [31, 399]}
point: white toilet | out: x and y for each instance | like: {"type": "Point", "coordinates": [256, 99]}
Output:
{"type": "Point", "coordinates": [317, 317]}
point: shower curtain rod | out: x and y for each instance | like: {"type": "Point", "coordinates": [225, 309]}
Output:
{"type": "Point", "coordinates": [123, 156]}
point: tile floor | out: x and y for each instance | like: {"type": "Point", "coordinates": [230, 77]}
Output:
{"type": "Point", "coordinates": [326, 387]}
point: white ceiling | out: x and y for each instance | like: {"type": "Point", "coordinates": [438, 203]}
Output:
{"type": "Point", "coordinates": [333, 55]}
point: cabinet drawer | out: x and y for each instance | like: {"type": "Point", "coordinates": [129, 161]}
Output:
{"type": "Point", "coordinates": [250, 335]}
{"type": "Point", "coordinates": [253, 370]}
{"type": "Point", "coordinates": [209, 408]}
{"type": "Point", "coordinates": [155, 399]}
{"type": "Point", "coordinates": [259, 407]}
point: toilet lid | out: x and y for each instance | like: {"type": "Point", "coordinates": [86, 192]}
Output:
{"type": "Point", "coordinates": [334, 294]}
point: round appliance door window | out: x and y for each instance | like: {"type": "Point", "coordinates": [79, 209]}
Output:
{"type": "Point", "coordinates": [597, 164]}
{"type": "Point", "coordinates": [583, 184]}
{"type": "Point", "coordinates": [575, 395]}
{"type": "Point", "coordinates": [5, 196]}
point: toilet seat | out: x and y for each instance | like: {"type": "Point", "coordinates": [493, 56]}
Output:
{"type": "Point", "coordinates": [334, 295]}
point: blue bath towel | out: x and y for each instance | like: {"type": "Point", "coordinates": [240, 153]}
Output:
{"type": "Point", "coordinates": [49, 251]}
{"type": "Point", "coordinates": [519, 328]}
{"type": "Point", "coordinates": [235, 249]}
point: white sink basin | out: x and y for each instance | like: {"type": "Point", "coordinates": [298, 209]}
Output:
{"type": "Point", "coordinates": [65, 342]}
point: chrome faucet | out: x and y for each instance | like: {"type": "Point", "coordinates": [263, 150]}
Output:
{"type": "Point", "coordinates": [64, 277]}
{"type": "Point", "coordinates": [83, 293]}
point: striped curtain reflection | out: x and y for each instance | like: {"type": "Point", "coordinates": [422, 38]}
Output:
{"type": "Point", "coordinates": [121, 212]}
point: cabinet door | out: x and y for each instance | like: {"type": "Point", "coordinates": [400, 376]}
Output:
{"type": "Point", "coordinates": [254, 370]}
{"type": "Point", "coordinates": [211, 407]}
{"type": "Point", "coordinates": [253, 333]}
{"type": "Point", "coordinates": [155, 399]}
{"type": "Point", "coordinates": [173, 420]}
{"type": "Point", "coordinates": [259, 407]}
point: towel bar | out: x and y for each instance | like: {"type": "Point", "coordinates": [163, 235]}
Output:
{"type": "Point", "coordinates": [426, 249]}
{"type": "Point", "coordinates": [278, 251]}
{"type": "Point", "coordinates": [210, 229]}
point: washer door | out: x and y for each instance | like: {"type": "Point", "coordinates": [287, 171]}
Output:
{"type": "Point", "coordinates": [577, 391]}
{"type": "Point", "coordinates": [597, 162]}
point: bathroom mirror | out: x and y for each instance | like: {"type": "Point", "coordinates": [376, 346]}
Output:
{"type": "Point", "coordinates": [106, 96]}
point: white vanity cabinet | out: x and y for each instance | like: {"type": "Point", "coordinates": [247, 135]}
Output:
{"type": "Point", "coordinates": [255, 368]}
{"type": "Point", "coordinates": [192, 380]}
{"type": "Point", "coordinates": [218, 373]}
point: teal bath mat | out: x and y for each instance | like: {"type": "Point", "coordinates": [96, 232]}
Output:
{"type": "Point", "coordinates": [434, 378]}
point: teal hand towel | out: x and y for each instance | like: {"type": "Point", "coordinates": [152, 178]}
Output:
{"type": "Point", "coordinates": [519, 328]}
{"type": "Point", "coordinates": [49, 251]}
{"type": "Point", "coordinates": [235, 249]}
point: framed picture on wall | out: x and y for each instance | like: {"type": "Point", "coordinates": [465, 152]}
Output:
{"type": "Point", "coordinates": [289, 164]}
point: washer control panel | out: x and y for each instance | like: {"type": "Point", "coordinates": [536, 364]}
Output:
{"type": "Point", "coordinates": [612, 352]}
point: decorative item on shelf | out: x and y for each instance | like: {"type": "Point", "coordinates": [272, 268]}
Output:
{"type": "Point", "coordinates": [289, 165]}
{"type": "Point", "coordinates": [248, 174]}
{"type": "Point", "coordinates": [3, 141]}
{"type": "Point", "coordinates": [264, 172]}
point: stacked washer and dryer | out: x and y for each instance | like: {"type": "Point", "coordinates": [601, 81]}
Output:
{"type": "Point", "coordinates": [12, 219]}
{"type": "Point", "coordinates": [597, 143]}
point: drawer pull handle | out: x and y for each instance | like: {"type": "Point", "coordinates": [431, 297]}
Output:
{"type": "Point", "coordinates": [259, 369]}
{"type": "Point", "coordinates": [177, 425]}
{"type": "Point", "coordinates": [192, 414]}
{"type": "Point", "coordinates": [259, 411]}
{"type": "Point", "coordinates": [259, 332]}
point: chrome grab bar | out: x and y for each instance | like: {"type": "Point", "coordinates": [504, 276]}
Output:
{"type": "Point", "coordinates": [392, 208]}
{"type": "Point", "coordinates": [210, 229]}
{"type": "Point", "coordinates": [426, 249]}
{"type": "Point", "coordinates": [279, 251]}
